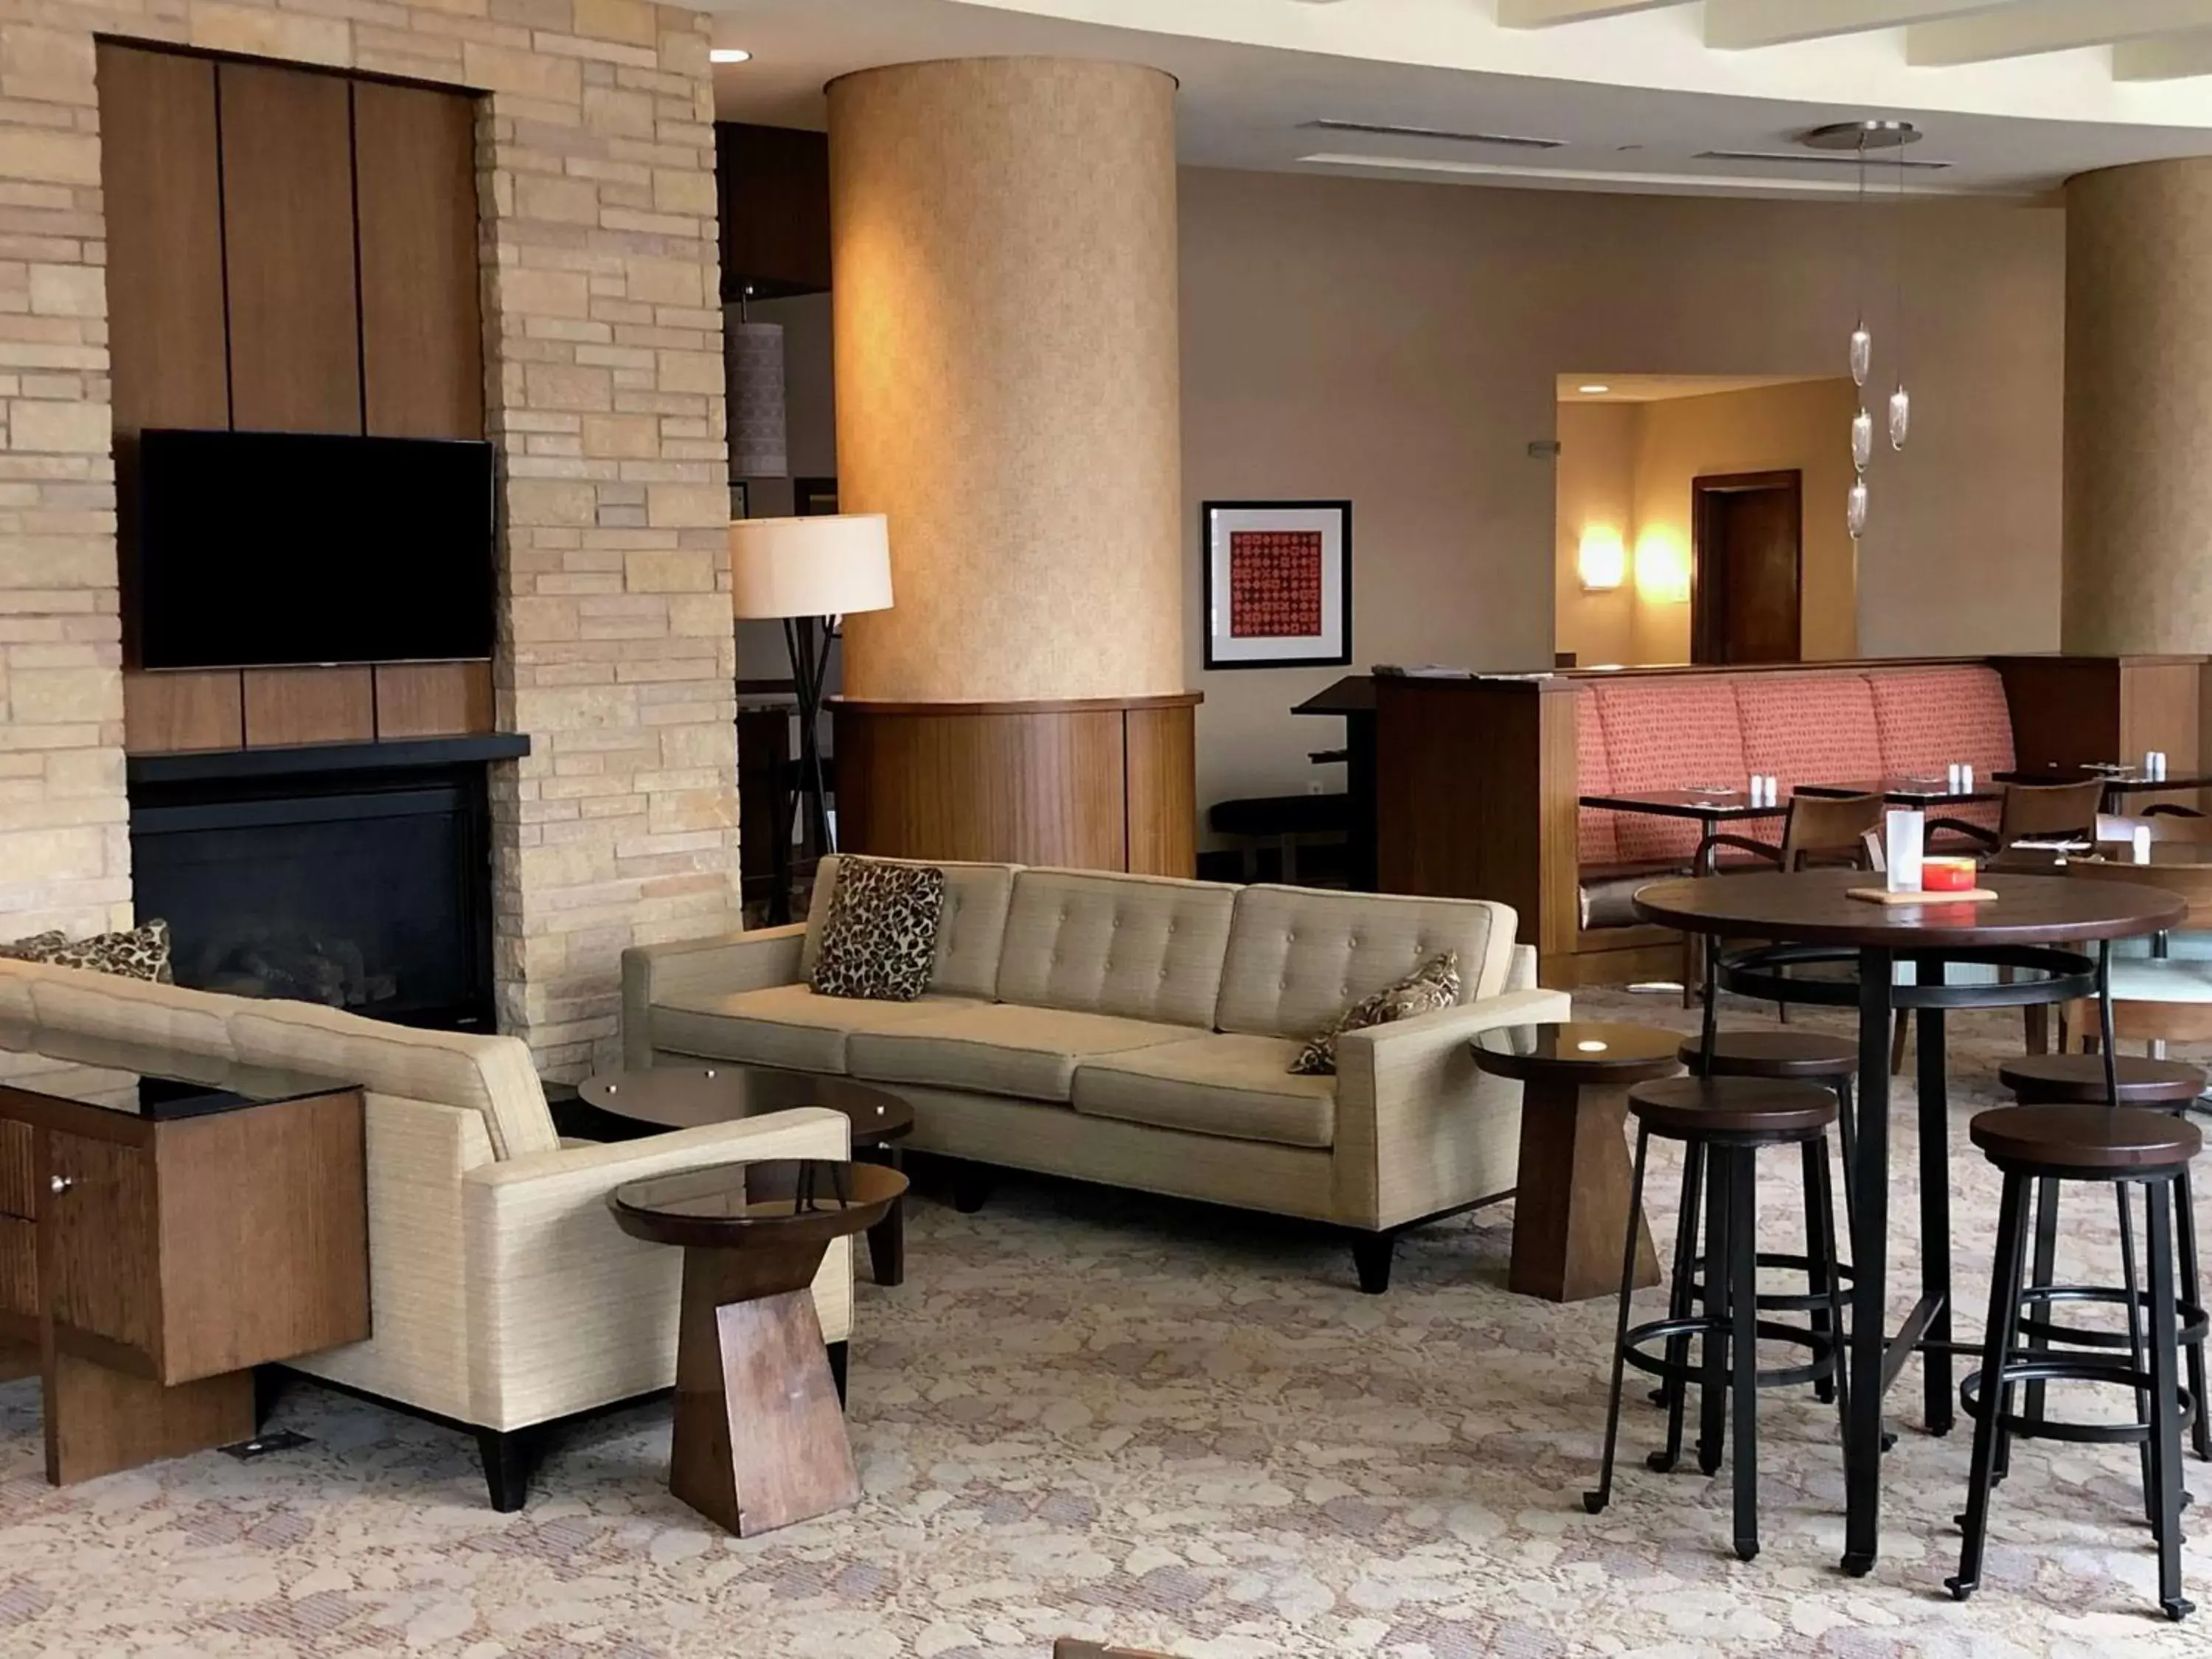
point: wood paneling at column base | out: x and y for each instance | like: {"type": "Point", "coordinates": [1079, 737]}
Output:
{"type": "Point", "coordinates": [1099, 784]}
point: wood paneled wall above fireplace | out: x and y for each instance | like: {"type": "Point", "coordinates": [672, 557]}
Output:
{"type": "Point", "coordinates": [294, 250]}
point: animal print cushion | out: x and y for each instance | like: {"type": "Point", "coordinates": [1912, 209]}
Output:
{"type": "Point", "coordinates": [141, 953]}
{"type": "Point", "coordinates": [879, 939]}
{"type": "Point", "coordinates": [1432, 986]}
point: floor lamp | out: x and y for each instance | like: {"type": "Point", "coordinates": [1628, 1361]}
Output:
{"type": "Point", "coordinates": [827, 566]}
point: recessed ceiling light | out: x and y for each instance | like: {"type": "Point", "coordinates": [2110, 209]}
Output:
{"type": "Point", "coordinates": [728, 55]}
{"type": "Point", "coordinates": [1593, 390]}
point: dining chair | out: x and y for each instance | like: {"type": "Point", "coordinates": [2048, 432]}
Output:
{"type": "Point", "coordinates": [2036, 812]}
{"type": "Point", "coordinates": [1824, 831]}
{"type": "Point", "coordinates": [2161, 986]}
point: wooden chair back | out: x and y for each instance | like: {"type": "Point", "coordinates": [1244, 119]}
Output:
{"type": "Point", "coordinates": [2042, 810]}
{"type": "Point", "coordinates": [1831, 830]}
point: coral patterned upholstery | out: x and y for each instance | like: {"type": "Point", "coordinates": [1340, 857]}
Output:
{"type": "Point", "coordinates": [1636, 734]}
{"type": "Point", "coordinates": [1597, 839]}
{"type": "Point", "coordinates": [1667, 734]}
{"type": "Point", "coordinates": [1929, 717]}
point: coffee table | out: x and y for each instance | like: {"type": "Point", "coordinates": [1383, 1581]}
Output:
{"type": "Point", "coordinates": [759, 1437]}
{"type": "Point", "coordinates": [627, 1105]}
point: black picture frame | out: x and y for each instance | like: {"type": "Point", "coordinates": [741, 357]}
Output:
{"type": "Point", "coordinates": [1335, 522]}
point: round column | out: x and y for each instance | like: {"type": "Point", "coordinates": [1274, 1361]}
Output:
{"type": "Point", "coordinates": [2138, 402]}
{"type": "Point", "coordinates": [1003, 236]}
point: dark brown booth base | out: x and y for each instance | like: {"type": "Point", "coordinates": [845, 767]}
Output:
{"type": "Point", "coordinates": [1107, 783]}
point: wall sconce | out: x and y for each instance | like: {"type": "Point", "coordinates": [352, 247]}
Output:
{"type": "Point", "coordinates": [1601, 562]}
{"type": "Point", "coordinates": [1663, 569]}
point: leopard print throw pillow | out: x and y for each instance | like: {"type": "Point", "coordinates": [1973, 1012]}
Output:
{"type": "Point", "coordinates": [879, 939]}
{"type": "Point", "coordinates": [142, 952]}
{"type": "Point", "coordinates": [1435, 985]}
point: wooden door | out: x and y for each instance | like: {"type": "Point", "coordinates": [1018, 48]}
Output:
{"type": "Point", "coordinates": [1745, 602]}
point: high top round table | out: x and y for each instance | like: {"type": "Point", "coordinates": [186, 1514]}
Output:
{"type": "Point", "coordinates": [1824, 946]}
{"type": "Point", "coordinates": [759, 1437]}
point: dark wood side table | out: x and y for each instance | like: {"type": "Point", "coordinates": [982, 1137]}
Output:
{"type": "Point", "coordinates": [1570, 1197]}
{"type": "Point", "coordinates": [626, 1105]}
{"type": "Point", "coordinates": [159, 1239]}
{"type": "Point", "coordinates": [759, 1439]}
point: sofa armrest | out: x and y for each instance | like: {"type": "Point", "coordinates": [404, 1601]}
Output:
{"type": "Point", "coordinates": [735, 962]}
{"type": "Point", "coordinates": [1418, 1129]}
{"type": "Point", "coordinates": [1521, 971]}
{"type": "Point", "coordinates": [567, 1312]}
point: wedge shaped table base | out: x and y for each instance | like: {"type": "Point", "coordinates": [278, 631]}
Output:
{"type": "Point", "coordinates": [759, 1439]}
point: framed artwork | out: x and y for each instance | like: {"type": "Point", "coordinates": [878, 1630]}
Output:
{"type": "Point", "coordinates": [1278, 583]}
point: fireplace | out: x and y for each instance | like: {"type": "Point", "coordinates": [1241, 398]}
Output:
{"type": "Point", "coordinates": [366, 888]}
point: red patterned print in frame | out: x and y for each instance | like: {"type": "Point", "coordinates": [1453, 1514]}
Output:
{"type": "Point", "coordinates": [1274, 584]}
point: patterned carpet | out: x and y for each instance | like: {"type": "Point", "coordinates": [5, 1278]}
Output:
{"type": "Point", "coordinates": [1091, 1413]}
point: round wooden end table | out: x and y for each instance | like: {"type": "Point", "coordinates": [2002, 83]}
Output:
{"type": "Point", "coordinates": [759, 1437]}
{"type": "Point", "coordinates": [626, 1105]}
{"type": "Point", "coordinates": [1570, 1198]}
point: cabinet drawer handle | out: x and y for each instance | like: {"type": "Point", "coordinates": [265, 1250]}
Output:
{"type": "Point", "coordinates": [59, 1184]}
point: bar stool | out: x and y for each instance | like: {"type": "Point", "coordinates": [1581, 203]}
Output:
{"type": "Point", "coordinates": [1801, 1056]}
{"type": "Point", "coordinates": [2079, 1080]}
{"type": "Point", "coordinates": [1728, 1121]}
{"type": "Point", "coordinates": [2119, 1146]}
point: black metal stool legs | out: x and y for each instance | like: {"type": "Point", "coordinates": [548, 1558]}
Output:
{"type": "Point", "coordinates": [2002, 1331]}
{"type": "Point", "coordinates": [2164, 1442]}
{"type": "Point", "coordinates": [1742, 1267]}
{"type": "Point", "coordinates": [2192, 1291]}
{"type": "Point", "coordinates": [1594, 1501]}
{"type": "Point", "coordinates": [1681, 1304]}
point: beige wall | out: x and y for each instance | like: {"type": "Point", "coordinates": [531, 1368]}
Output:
{"type": "Point", "coordinates": [603, 379]}
{"type": "Point", "coordinates": [1634, 472]}
{"type": "Point", "coordinates": [1398, 344]}
{"type": "Point", "coordinates": [1596, 490]}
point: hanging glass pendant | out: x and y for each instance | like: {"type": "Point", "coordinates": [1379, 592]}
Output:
{"type": "Point", "coordinates": [1855, 508]}
{"type": "Point", "coordinates": [1900, 416]}
{"type": "Point", "coordinates": [1862, 440]}
{"type": "Point", "coordinates": [1862, 355]}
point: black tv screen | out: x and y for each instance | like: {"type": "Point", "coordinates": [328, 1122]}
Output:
{"type": "Point", "coordinates": [267, 548]}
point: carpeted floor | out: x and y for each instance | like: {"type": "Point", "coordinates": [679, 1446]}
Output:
{"type": "Point", "coordinates": [1094, 1413]}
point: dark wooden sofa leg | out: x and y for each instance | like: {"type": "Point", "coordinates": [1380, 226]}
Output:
{"type": "Point", "coordinates": [971, 1186]}
{"type": "Point", "coordinates": [839, 1353]}
{"type": "Point", "coordinates": [1371, 1254]}
{"type": "Point", "coordinates": [510, 1459]}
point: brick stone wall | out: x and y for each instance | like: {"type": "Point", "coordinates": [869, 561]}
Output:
{"type": "Point", "coordinates": [595, 158]}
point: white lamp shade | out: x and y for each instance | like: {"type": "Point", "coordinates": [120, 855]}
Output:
{"type": "Point", "coordinates": [833, 565]}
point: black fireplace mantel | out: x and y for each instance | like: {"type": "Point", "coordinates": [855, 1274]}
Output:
{"type": "Point", "coordinates": [203, 765]}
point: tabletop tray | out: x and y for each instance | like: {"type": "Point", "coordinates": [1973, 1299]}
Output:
{"type": "Point", "coordinates": [1883, 895]}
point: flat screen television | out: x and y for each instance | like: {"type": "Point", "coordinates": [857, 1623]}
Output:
{"type": "Point", "coordinates": [271, 547]}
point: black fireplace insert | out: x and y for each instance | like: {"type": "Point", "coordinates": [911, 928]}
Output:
{"type": "Point", "coordinates": [368, 891]}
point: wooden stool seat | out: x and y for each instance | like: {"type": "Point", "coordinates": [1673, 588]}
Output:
{"type": "Point", "coordinates": [2034, 1140]}
{"type": "Point", "coordinates": [1809, 1055]}
{"type": "Point", "coordinates": [2054, 1079]}
{"type": "Point", "coordinates": [1760, 1110]}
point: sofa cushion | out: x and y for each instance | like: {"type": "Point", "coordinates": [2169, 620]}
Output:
{"type": "Point", "coordinates": [1596, 831]}
{"type": "Point", "coordinates": [1140, 947]}
{"type": "Point", "coordinates": [1234, 1086]}
{"type": "Point", "coordinates": [968, 934]}
{"type": "Point", "coordinates": [493, 1076]}
{"type": "Point", "coordinates": [1809, 728]}
{"type": "Point", "coordinates": [1929, 717]}
{"type": "Point", "coordinates": [1430, 989]}
{"type": "Point", "coordinates": [1298, 958]}
{"type": "Point", "coordinates": [1668, 733]}
{"type": "Point", "coordinates": [791, 1027]}
{"type": "Point", "coordinates": [880, 940]}
{"type": "Point", "coordinates": [1004, 1049]}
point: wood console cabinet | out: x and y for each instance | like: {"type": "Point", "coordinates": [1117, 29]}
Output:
{"type": "Point", "coordinates": [150, 1258]}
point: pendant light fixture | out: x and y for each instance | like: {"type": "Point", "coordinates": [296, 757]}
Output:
{"type": "Point", "coordinates": [1861, 138]}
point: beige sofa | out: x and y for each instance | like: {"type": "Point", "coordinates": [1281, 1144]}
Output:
{"type": "Point", "coordinates": [502, 1296]}
{"type": "Point", "coordinates": [1139, 1031]}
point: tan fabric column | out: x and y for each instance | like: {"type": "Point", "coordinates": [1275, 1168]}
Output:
{"type": "Point", "coordinates": [2138, 404]}
{"type": "Point", "coordinates": [1004, 245]}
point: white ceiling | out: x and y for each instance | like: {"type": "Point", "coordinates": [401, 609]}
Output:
{"type": "Point", "coordinates": [1635, 100]}
{"type": "Point", "coordinates": [1659, 388]}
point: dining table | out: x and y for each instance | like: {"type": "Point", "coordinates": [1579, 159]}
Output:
{"type": "Point", "coordinates": [1709, 808]}
{"type": "Point", "coordinates": [1815, 943]}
